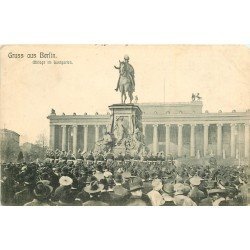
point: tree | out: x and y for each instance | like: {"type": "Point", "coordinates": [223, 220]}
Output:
{"type": "Point", "coordinates": [42, 140]}
{"type": "Point", "coordinates": [20, 157]}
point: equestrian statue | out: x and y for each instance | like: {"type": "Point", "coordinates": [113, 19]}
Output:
{"type": "Point", "coordinates": [126, 82]}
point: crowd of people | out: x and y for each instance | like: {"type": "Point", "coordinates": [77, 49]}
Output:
{"type": "Point", "coordinates": [121, 180]}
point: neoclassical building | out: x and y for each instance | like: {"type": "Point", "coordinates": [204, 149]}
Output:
{"type": "Point", "coordinates": [180, 128]}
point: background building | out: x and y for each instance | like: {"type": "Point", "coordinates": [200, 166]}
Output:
{"type": "Point", "coordinates": [9, 142]}
{"type": "Point", "coordinates": [180, 128]}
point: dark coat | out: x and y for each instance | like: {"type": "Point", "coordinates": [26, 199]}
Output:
{"type": "Point", "coordinates": [119, 196]}
{"type": "Point", "coordinates": [24, 196]}
{"type": "Point", "coordinates": [147, 187]}
{"type": "Point", "coordinates": [196, 195]}
{"type": "Point", "coordinates": [138, 201]}
{"type": "Point", "coordinates": [95, 202]}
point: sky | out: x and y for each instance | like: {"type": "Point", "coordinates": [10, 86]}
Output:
{"type": "Point", "coordinates": [221, 74]}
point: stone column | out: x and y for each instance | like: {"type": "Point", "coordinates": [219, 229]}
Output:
{"type": "Point", "coordinates": [219, 139]}
{"type": "Point", "coordinates": [167, 139]}
{"type": "Point", "coordinates": [232, 139]}
{"type": "Point", "coordinates": [96, 133]}
{"type": "Point", "coordinates": [247, 125]}
{"type": "Point", "coordinates": [192, 140]}
{"type": "Point", "coordinates": [52, 137]}
{"type": "Point", "coordinates": [74, 139]}
{"type": "Point", "coordinates": [85, 142]}
{"type": "Point", "coordinates": [144, 129]}
{"type": "Point", "coordinates": [205, 146]}
{"type": "Point", "coordinates": [64, 136]}
{"type": "Point", "coordinates": [180, 140]}
{"type": "Point", "coordinates": [155, 138]}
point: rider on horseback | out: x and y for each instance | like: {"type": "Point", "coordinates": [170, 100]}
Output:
{"type": "Point", "coordinates": [129, 72]}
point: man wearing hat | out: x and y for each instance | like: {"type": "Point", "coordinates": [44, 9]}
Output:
{"type": "Point", "coordinates": [196, 194]}
{"type": "Point", "coordinates": [180, 197]}
{"type": "Point", "coordinates": [126, 177]}
{"type": "Point", "coordinates": [231, 198]}
{"type": "Point", "coordinates": [168, 194]}
{"type": "Point", "coordinates": [42, 194]}
{"type": "Point", "coordinates": [137, 198]}
{"type": "Point", "coordinates": [120, 194]}
{"type": "Point", "coordinates": [94, 190]}
{"type": "Point", "coordinates": [68, 198]}
{"type": "Point", "coordinates": [110, 162]}
{"type": "Point", "coordinates": [127, 161]}
{"type": "Point", "coordinates": [65, 184]}
{"type": "Point", "coordinates": [154, 195]}
{"type": "Point", "coordinates": [217, 195]}
{"type": "Point", "coordinates": [147, 181]}
{"type": "Point", "coordinates": [25, 195]}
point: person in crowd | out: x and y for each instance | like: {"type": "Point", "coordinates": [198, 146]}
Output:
{"type": "Point", "coordinates": [65, 185]}
{"type": "Point", "coordinates": [168, 194]}
{"type": "Point", "coordinates": [154, 195]}
{"type": "Point", "coordinates": [180, 196]}
{"type": "Point", "coordinates": [217, 196]}
{"type": "Point", "coordinates": [94, 190]}
{"type": "Point", "coordinates": [25, 195]}
{"type": "Point", "coordinates": [137, 198]}
{"type": "Point", "coordinates": [120, 194]}
{"type": "Point", "coordinates": [196, 194]}
{"type": "Point", "coordinates": [42, 193]}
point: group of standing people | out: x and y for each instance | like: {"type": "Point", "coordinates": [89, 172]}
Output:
{"type": "Point", "coordinates": [103, 179]}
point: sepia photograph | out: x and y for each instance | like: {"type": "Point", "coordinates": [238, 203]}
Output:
{"type": "Point", "coordinates": [125, 125]}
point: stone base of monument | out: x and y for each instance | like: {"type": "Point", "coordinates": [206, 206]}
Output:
{"type": "Point", "coordinates": [126, 115]}
{"type": "Point", "coordinates": [126, 124]}
{"type": "Point", "coordinates": [119, 150]}
{"type": "Point", "coordinates": [125, 134]}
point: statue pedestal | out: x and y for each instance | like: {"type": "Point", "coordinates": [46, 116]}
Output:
{"type": "Point", "coordinates": [126, 115]}
{"type": "Point", "coordinates": [119, 150]}
{"type": "Point", "coordinates": [126, 125]}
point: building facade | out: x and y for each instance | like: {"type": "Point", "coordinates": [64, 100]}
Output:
{"type": "Point", "coordinates": [181, 129]}
{"type": "Point", "coordinates": [9, 145]}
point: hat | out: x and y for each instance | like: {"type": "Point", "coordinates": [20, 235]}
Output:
{"type": "Point", "coordinates": [91, 178]}
{"type": "Point", "coordinates": [99, 176]}
{"type": "Point", "coordinates": [156, 183]}
{"type": "Point", "coordinates": [107, 174]}
{"type": "Point", "coordinates": [217, 191]}
{"type": "Point", "coordinates": [168, 188]}
{"type": "Point", "coordinates": [45, 182]}
{"type": "Point", "coordinates": [118, 178]}
{"type": "Point", "coordinates": [135, 184]}
{"type": "Point", "coordinates": [195, 180]}
{"type": "Point", "coordinates": [126, 57]}
{"type": "Point", "coordinates": [126, 175]}
{"type": "Point", "coordinates": [94, 187]}
{"type": "Point", "coordinates": [65, 181]}
{"type": "Point", "coordinates": [42, 190]}
{"type": "Point", "coordinates": [186, 189]}
{"type": "Point", "coordinates": [179, 188]}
